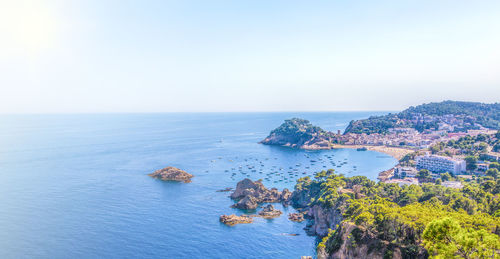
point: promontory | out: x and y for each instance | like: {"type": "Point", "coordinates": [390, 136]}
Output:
{"type": "Point", "coordinates": [299, 133]}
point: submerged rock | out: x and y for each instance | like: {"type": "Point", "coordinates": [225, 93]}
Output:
{"type": "Point", "coordinates": [270, 212]}
{"type": "Point", "coordinates": [232, 219]}
{"type": "Point", "coordinates": [172, 174]}
{"type": "Point", "coordinates": [290, 234]}
{"type": "Point", "coordinates": [228, 189]}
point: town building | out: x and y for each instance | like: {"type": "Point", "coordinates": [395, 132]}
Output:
{"type": "Point", "coordinates": [403, 130]}
{"type": "Point", "coordinates": [403, 172]}
{"type": "Point", "coordinates": [492, 156]}
{"type": "Point", "coordinates": [440, 164]}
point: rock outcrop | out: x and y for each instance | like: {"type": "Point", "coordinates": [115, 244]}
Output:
{"type": "Point", "coordinates": [250, 194]}
{"type": "Point", "coordinates": [245, 186]}
{"type": "Point", "coordinates": [172, 174]}
{"type": "Point", "coordinates": [300, 133]}
{"type": "Point", "coordinates": [270, 212]}
{"type": "Point", "coordinates": [247, 203]}
{"type": "Point", "coordinates": [285, 195]}
{"type": "Point", "coordinates": [232, 219]}
{"type": "Point", "coordinates": [297, 217]}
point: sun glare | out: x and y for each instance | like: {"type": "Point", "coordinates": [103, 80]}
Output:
{"type": "Point", "coordinates": [26, 28]}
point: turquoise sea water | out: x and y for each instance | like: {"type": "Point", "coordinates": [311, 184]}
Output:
{"type": "Point", "coordinates": [75, 186]}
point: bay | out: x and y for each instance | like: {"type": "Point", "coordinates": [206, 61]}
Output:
{"type": "Point", "coordinates": [76, 185]}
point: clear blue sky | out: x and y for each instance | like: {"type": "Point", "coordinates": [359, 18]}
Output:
{"type": "Point", "coordinates": [170, 56]}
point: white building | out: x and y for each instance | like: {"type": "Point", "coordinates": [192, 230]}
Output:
{"type": "Point", "coordinates": [440, 164]}
{"type": "Point", "coordinates": [403, 130]}
{"type": "Point", "coordinates": [403, 172]}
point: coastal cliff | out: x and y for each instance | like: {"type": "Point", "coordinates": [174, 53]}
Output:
{"type": "Point", "coordinates": [326, 200]}
{"type": "Point", "coordinates": [299, 133]}
{"type": "Point", "coordinates": [358, 218]}
{"type": "Point", "coordinates": [352, 241]}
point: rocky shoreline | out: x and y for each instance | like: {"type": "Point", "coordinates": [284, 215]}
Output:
{"type": "Point", "coordinates": [301, 134]}
{"type": "Point", "coordinates": [385, 175]}
{"type": "Point", "coordinates": [249, 195]}
{"type": "Point", "coordinates": [321, 219]}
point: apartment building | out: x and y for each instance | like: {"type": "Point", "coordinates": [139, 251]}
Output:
{"type": "Point", "coordinates": [440, 164]}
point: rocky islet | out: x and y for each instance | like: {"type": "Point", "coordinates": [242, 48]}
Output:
{"type": "Point", "coordinates": [172, 174]}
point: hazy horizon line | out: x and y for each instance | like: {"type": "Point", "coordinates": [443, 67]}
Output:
{"type": "Point", "coordinates": [187, 112]}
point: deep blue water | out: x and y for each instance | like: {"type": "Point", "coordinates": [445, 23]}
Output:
{"type": "Point", "coordinates": [75, 186]}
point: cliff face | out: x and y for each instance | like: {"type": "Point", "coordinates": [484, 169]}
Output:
{"type": "Point", "coordinates": [327, 202]}
{"type": "Point", "coordinates": [352, 241]}
{"type": "Point", "coordinates": [299, 133]}
{"type": "Point", "coordinates": [358, 218]}
{"type": "Point", "coordinates": [322, 219]}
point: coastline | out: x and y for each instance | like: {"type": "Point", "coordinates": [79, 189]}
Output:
{"type": "Point", "coordinates": [385, 175]}
{"type": "Point", "coordinates": [395, 152]}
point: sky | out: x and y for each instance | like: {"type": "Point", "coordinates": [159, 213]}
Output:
{"type": "Point", "coordinates": [245, 56]}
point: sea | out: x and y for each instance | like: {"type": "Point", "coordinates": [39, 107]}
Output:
{"type": "Point", "coordinates": [76, 185]}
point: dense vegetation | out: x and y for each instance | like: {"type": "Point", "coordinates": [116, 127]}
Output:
{"type": "Point", "coordinates": [487, 115]}
{"type": "Point", "coordinates": [298, 128]}
{"type": "Point", "coordinates": [468, 145]}
{"type": "Point", "coordinates": [426, 220]}
{"type": "Point", "coordinates": [297, 132]}
{"type": "Point", "coordinates": [377, 124]}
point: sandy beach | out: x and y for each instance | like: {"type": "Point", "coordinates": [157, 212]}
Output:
{"type": "Point", "coordinates": [395, 152]}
